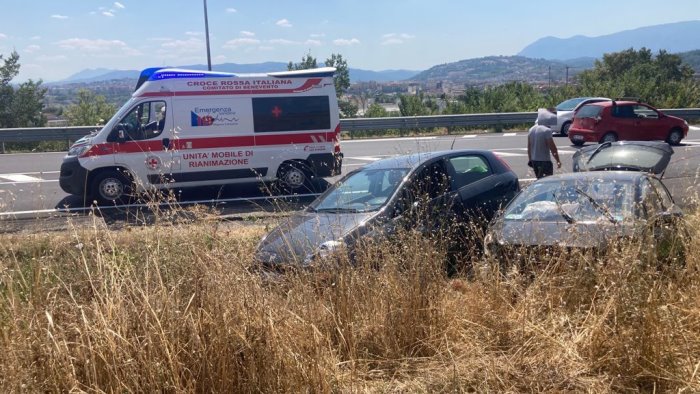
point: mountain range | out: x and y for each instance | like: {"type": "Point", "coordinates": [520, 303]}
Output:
{"type": "Point", "coordinates": [356, 75]}
{"type": "Point", "coordinates": [673, 37]}
{"type": "Point", "coordinates": [547, 59]}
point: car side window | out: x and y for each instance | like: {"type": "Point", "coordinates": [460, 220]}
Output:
{"type": "Point", "coordinates": [641, 111]}
{"type": "Point", "coordinates": [623, 111]}
{"type": "Point", "coordinates": [651, 202]}
{"type": "Point", "coordinates": [145, 121]}
{"type": "Point", "coordinates": [663, 193]}
{"type": "Point", "coordinates": [469, 169]}
{"type": "Point", "coordinates": [432, 181]}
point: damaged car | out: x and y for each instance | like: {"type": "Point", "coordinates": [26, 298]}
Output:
{"type": "Point", "coordinates": [615, 194]}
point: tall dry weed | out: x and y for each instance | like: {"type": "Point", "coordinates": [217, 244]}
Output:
{"type": "Point", "coordinates": [178, 308]}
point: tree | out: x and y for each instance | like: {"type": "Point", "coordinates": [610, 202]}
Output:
{"type": "Point", "coordinates": [376, 111]}
{"type": "Point", "coordinates": [27, 105]}
{"type": "Point", "coordinates": [342, 73]}
{"type": "Point", "coordinates": [662, 80]}
{"type": "Point", "coordinates": [341, 79]}
{"type": "Point", "coordinates": [21, 107]}
{"type": "Point", "coordinates": [91, 109]}
{"type": "Point", "coordinates": [307, 62]}
{"type": "Point", "coordinates": [412, 106]}
{"type": "Point", "coordinates": [348, 109]}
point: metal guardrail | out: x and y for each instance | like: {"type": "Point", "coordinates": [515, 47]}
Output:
{"type": "Point", "coordinates": [37, 134]}
{"type": "Point", "coordinates": [417, 122]}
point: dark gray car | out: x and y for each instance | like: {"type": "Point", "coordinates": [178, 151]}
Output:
{"type": "Point", "coordinates": [615, 195]}
{"type": "Point", "coordinates": [463, 185]}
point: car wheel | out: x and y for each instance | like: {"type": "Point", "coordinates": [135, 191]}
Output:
{"type": "Point", "coordinates": [111, 187]}
{"type": "Point", "coordinates": [293, 178]}
{"type": "Point", "coordinates": [674, 137]}
{"type": "Point", "coordinates": [578, 143]}
{"type": "Point", "coordinates": [565, 129]}
{"type": "Point", "coordinates": [609, 137]}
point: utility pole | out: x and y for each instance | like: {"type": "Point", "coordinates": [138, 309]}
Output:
{"type": "Point", "coordinates": [206, 30]}
{"type": "Point", "coordinates": [549, 76]}
{"type": "Point", "coordinates": [567, 75]}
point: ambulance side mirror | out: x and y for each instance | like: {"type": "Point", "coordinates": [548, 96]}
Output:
{"type": "Point", "coordinates": [120, 135]}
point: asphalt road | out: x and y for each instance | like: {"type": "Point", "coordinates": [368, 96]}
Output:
{"type": "Point", "coordinates": [29, 182]}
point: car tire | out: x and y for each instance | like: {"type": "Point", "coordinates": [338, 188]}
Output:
{"type": "Point", "coordinates": [578, 143]}
{"type": "Point", "coordinates": [294, 178]}
{"type": "Point", "coordinates": [609, 137]}
{"type": "Point", "coordinates": [565, 129]}
{"type": "Point", "coordinates": [111, 187]}
{"type": "Point", "coordinates": [675, 137]}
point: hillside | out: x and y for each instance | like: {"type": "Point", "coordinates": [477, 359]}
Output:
{"type": "Point", "coordinates": [499, 69]}
{"type": "Point", "coordinates": [673, 37]}
{"type": "Point", "coordinates": [692, 58]}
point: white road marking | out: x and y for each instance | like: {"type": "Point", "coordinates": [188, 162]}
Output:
{"type": "Point", "coordinates": [469, 136]}
{"type": "Point", "coordinates": [365, 158]}
{"type": "Point", "coordinates": [20, 178]}
{"type": "Point", "coordinates": [507, 154]}
{"type": "Point", "coordinates": [510, 134]}
{"type": "Point", "coordinates": [31, 173]}
{"type": "Point", "coordinates": [39, 181]}
{"type": "Point", "coordinates": [694, 128]}
{"type": "Point", "coordinates": [387, 139]}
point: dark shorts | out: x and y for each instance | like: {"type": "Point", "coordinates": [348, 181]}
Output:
{"type": "Point", "coordinates": [542, 168]}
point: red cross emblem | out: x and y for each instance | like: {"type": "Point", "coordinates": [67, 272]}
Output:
{"type": "Point", "coordinates": [276, 112]}
{"type": "Point", "coordinates": [153, 162]}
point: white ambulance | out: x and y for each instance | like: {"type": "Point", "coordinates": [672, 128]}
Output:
{"type": "Point", "coordinates": [186, 128]}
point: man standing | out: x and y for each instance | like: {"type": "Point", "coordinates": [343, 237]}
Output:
{"type": "Point", "coordinates": [540, 143]}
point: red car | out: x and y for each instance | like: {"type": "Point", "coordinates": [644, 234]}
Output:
{"type": "Point", "coordinates": [610, 121]}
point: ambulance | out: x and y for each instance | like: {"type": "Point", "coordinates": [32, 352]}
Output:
{"type": "Point", "coordinates": [188, 128]}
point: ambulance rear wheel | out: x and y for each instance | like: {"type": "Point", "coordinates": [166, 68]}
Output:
{"type": "Point", "coordinates": [111, 187]}
{"type": "Point", "coordinates": [293, 178]}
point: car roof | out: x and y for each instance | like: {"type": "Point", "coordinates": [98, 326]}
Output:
{"type": "Point", "coordinates": [631, 176]}
{"type": "Point", "coordinates": [614, 102]}
{"type": "Point", "coordinates": [416, 159]}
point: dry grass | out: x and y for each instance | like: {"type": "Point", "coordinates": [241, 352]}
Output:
{"type": "Point", "coordinates": [175, 308]}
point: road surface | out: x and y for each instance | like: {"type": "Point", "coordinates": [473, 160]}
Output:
{"type": "Point", "coordinates": [29, 181]}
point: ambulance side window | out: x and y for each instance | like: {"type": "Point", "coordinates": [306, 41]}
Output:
{"type": "Point", "coordinates": [145, 121]}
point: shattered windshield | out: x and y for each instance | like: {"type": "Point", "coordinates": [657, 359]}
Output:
{"type": "Point", "coordinates": [574, 201]}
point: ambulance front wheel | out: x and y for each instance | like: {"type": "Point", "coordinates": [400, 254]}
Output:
{"type": "Point", "coordinates": [293, 177]}
{"type": "Point", "coordinates": [111, 187]}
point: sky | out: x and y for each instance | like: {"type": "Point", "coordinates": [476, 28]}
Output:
{"type": "Point", "coordinates": [58, 38]}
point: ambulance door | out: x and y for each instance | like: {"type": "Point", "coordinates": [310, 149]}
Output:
{"type": "Point", "coordinates": [143, 144]}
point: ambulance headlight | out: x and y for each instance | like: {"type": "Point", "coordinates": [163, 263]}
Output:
{"type": "Point", "coordinates": [78, 150]}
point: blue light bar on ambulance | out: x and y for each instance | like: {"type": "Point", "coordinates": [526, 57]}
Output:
{"type": "Point", "coordinates": [145, 75]}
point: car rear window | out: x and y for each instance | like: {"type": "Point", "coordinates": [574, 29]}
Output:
{"type": "Point", "coordinates": [588, 111]}
{"type": "Point", "coordinates": [622, 157]}
{"type": "Point", "coordinates": [569, 104]}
